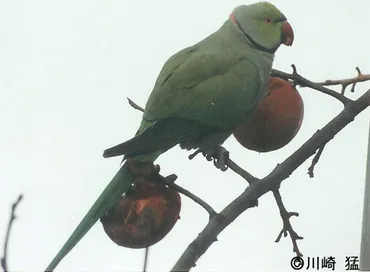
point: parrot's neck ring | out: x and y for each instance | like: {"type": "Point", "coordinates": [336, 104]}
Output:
{"type": "Point", "coordinates": [249, 38]}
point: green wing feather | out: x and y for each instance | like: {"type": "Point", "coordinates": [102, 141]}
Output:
{"type": "Point", "coordinates": [162, 135]}
{"type": "Point", "coordinates": [211, 83]}
{"type": "Point", "coordinates": [199, 92]}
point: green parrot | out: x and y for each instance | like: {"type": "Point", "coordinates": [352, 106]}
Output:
{"type": "Point", "coordinates": [201, 95]}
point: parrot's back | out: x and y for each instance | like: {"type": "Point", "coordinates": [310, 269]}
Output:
{"type": "Point", "coordinates": [201, 95]}
{"type": "Point", "coordinates": [216, 82]}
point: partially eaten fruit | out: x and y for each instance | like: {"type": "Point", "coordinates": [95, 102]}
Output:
{"type": "Point", "coordinates": [143, 216]}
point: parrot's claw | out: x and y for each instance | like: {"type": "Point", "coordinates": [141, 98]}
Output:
{"type": "Point", "coordinates": [223, 157]}
{"type": "Point", "coordinates": [220, 157]}
{"type": "Point", "coordinates": [208, 158]}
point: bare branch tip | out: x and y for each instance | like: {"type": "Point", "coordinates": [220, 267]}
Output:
{"type": "Point", "coordinates": [358, 71]}
{"type": "Point", "coordinates": [277, 240]}
{"type": "Point", "coordinates": [285, 216]}
{"type": "Point", "coordinates": [315, 160]}
{"type": "Point", "coordinates": [134, 105]}
{"type": "Point", "coordinates": [4, 259]}
{"type": "Point", "coordinates": [294, 69]}
{"type": "Point", "coordinates": [294, 74]}
{"type": "Point", "coordinates": [293, 214]}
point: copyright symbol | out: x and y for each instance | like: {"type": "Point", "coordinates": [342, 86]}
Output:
{"type": "Point", "coordinates": [297, 263]}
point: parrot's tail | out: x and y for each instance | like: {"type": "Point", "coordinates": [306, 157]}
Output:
{"type": "Point", "coordinates": [120, 183]}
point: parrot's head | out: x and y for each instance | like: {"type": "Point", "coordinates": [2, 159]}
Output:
{"type": "Point", "coordinates": [263, 25]}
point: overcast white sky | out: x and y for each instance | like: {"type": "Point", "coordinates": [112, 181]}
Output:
{"type": "Point", "coordinates": [66, 68]}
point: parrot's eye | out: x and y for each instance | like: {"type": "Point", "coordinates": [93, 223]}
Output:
{"type": "Point", "coordinates": [267, 20]}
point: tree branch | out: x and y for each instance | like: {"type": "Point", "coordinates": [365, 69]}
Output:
{"type": "Point", "coordinates": [315, 160]}
{"type": "Point", "coordinates": [287, 226]}
{"type": "Point", "coordinates": [231, 164]}
{"type": "Point", "coordinates": [257, 187]}
{"type": "Point", "coordinates": [285, 215]}
{"type": "Point", "coordinates": [169, 181]}
{"type": "Point", "coordinates": [282, 171]}
{"type": "Point", "coordinates": [241, 172]}
{"type": "Point", "coordinates": [145, 265]}
{"type": "Point", "coordinates": [4, 259]}
{"type": "Point", "coordinates": [346, 82]}
{"type": "Point", "coordinates": [303, 82]}
{"type": "Point", "coordinates": [253, 202]}
{"type": "Point", "coordinates": [134, 105]}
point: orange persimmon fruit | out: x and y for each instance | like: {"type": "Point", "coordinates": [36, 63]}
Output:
{"type": "Point", "coordinates": [276, 120]}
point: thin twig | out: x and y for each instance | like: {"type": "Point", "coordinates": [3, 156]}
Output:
{"type": "Point", "coordinates": [285, 215]}
{"type": "Point", "coordinates": [241, 172]}
{"type": "Point", "coordinates": [315, 160]}
{"type": "Point", "coordinates": [243, 202]}
{"type": "Point", "coordinates": [146, 259]}
{"type": "Point", "coordinates": [346, 82]}
{"type": "Point", "coordinates": [303, 82]}
{"type": "Point", "coordinates": [169, 181]}
{"type": "Point", "coordinates": [134, 105]}
{"type": "Point", "coordinates": [294, 74]}
{"type": "Point", "coordinates": [4, 259]}
{"type": "Point", "coordinates": [287, 226]}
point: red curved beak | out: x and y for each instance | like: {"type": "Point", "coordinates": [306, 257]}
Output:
{"type": "Point", "coordinates": [287, 34]}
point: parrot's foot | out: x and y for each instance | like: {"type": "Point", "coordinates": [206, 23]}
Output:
{"type": "Point", "coordinates": [219, 155]}
{"type": "Point", "coordinates": [146, 170]}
